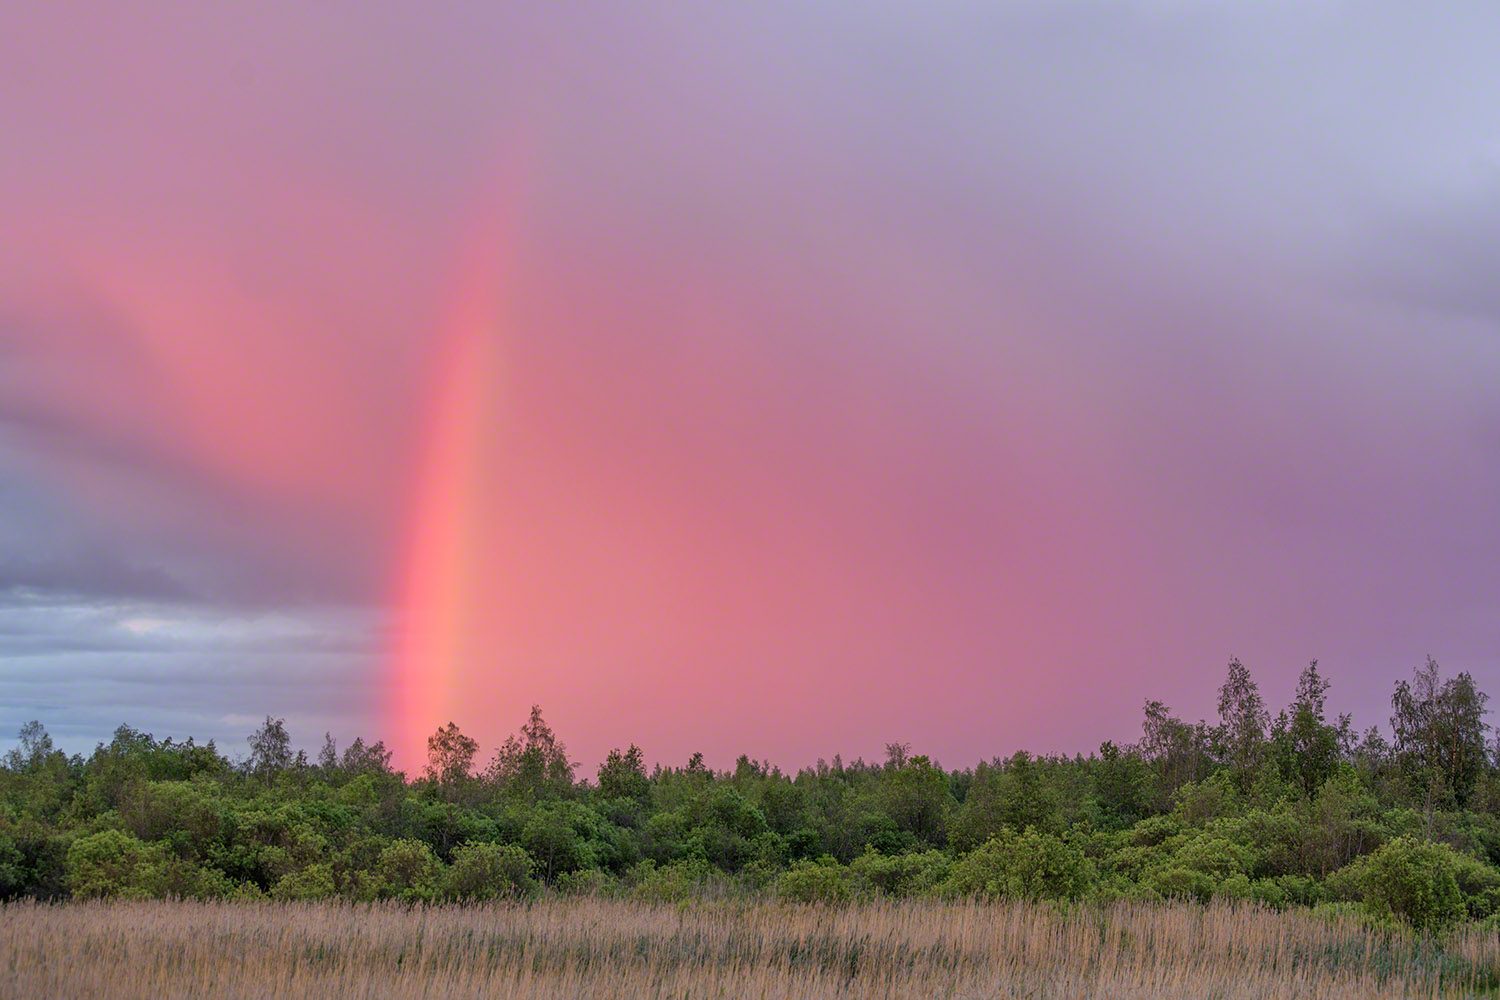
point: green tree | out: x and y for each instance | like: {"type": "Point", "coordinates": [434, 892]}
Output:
{"type": "Point", "coordinates": [360, 758]}
{"type": "Point", "coordinates": [1012, 798]}
{"type": "Point", "coordinates": [1122, 785]}
{"type": "Point", "coordinates": [1439, 732]}
{"type": "Point", "coordinates": [328, 757]}
{"type": "Point", "coordinates": [1178, 752]}
{"type": "Point", "coordinates": [1310, 748]}
{"type": "Point", "coordinates": [534, 765]}
{"type": "Point", "coordinates": [35, 747]}
{"type": "Point", "coordinates": [623, 775]}
{"type": "Point", "coordinates": [1243, 720]}
{"type": "Point", "coordinates": [270, 749]}
{"type": "Point", "coordinates": [450, 758]}
{"type": "Point", "coordinates": [549, 837]}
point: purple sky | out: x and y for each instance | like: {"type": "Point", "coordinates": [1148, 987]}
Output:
{"type": "Point", "coordinates": [867, 372]}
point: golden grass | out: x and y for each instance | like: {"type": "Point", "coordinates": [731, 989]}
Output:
{"type": "Point", "coordinates": [598, 948]}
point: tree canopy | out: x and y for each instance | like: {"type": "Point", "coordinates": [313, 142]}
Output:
{"type": "Point", "coordinates": [1292, 810]}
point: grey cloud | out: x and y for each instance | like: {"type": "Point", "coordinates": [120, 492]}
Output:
{"type": "Point", "coordinates": [81, 669]}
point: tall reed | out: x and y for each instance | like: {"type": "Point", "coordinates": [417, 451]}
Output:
{"type": "Point", "coordinates": [598, 948]}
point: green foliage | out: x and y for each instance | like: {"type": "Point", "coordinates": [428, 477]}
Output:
{"type": "Point", "coordinates": [408, 870]}
{"type": "Point", "coordinates": [1407, 830]}
{"type": "Point", "coordinates": [669, 883]}
{"type": "Point", "coordinates": [914, 794]}
{"type": "Point", "coordinates": [623, 775]}
{"type": "Point", "coordinates": [312, 882]}
{"type": "Point", "coordinates": [820, 881]}
{"type": "Point", "coordinates": [1031, 865]}
{"type": "Point", "coordinates": [491, 871]}
{"type": "Point", "coordinates": [1412, 880]}
{"type": "Point", "coordinates": [1440, 735]}
{"type": "Point", "coordinates": [108, 864]}
{"type": "Point", "coordinates": [552, 836]}
{"type": "Point", "coordinates": [1012, 798]}
{"type": "Point", "coordinates": [902, 874]}
{"type": "Point", "coordinates": [115, 864]}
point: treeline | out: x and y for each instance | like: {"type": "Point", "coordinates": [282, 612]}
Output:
{"type": "Point", "coordinates": [1292, 810]}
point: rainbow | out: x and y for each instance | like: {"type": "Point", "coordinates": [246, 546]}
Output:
{"type": "Point", "coordinates": [438, 581]}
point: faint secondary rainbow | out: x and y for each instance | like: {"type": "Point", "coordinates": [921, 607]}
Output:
{"type": "Point", "coordinates": [439, 585]}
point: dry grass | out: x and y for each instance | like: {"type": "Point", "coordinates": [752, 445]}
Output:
{"type": "Point", "coordinates": [600, 948]}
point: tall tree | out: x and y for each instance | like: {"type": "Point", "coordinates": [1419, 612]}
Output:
{"type": "Point", "coordinates": [35, 748]}
{"type": "Point", "coordinates": [535, 764]}
{"type": "Point", "coordinates": [623, 775]}
{"type": "Point", "coordinates": [360, 758]}
{"type": "Point", "coordinates": [1243, 720]}
{"type": "Point", "coordinates": [1178, 751]}
{"type": "Point", "coordinates": [328, 757]}
{"type": "Point", "coordinates": [1313, 747]}
{"type": "Point", "coordinates": [270, 749]}
{"type": "Point", "coordinates": [450, 758]}
{"type": "Point", "coordinates": [1438, 736]}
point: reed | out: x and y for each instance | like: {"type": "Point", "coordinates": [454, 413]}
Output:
{"type": "Point", "coordinates": [602, 948]}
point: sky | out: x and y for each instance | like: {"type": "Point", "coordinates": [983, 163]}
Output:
{"type": "Point", "coordinates": [781, 378]}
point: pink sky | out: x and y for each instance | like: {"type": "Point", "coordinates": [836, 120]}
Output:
{"type": "Point", "coordinates": [845, 377]}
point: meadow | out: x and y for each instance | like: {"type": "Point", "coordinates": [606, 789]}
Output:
{"type": "Point", "coordinates": [603, 948]}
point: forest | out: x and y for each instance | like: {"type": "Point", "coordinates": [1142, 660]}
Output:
{"type": "Point", "coordinates": [1291, 810]}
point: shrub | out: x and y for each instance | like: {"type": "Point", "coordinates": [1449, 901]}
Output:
{"type": "Point", "coordinates": [1031, 865]}
{"type": "Point", "coordinates": [1215, 856]}
{"type": "Point", "coordinates": [113, 863]}
{"type": "Point", "coordinates": [1180, 882]}
{"type": "Point", "coordinates": [12, 868]}
{"type": "Point", "coordinates": [1480, 885]}
{"type": "Point", "coordinates": [821, 881]}
{"type": "Point", "coordinates": [312, 882]}
{"type": "Point", "coordinates": [902, 874]}
{"type": "Point", "coordinates": [588, 882]}
{"type": "Point", "coordinates": [1415, 881]}
{"type": "Point", "coordinates": [408, 870]}
{"type": "Point", "coordinates": [490, 871]}
{"type": "Point", "coordinates": [670, 883]}
{"type": "Point", "coordinates": [107, 864]}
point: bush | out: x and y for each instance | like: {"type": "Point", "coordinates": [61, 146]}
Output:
{"type": "Point", "coordinates": [12, 868]}
{"type": "Point", "coordinates": [408, 870]}
{"type": "Point", "coordinates": [670, 883]}
{"type": "Point", "coordinates": [1180, 882]}
{"type": "Point", "coordinates": [107, 864]}
{"type": "Point", "coordinates": [902, 874]}
{"type": "Point", "coordinates": [588, 882]}
{"type": "Point", "coordinates": [490, 871]}
{"type": "Point", "coordinates": [821, 881]}
{"type": "Point", "coordinates": [1480, 885]}
{"type": "Point", "coordinates": [1415, 881]}
{"type": "Point", "coordinates": [1030, 865]}
{"type": "Point", "coordinates": [115, 864]}
{"type": "Point", "coordinates": [1118, 887]}
{"type": "Point", "coordinates": [1215, 856]}
{"type": "Point", "coordinates": [312, 882]}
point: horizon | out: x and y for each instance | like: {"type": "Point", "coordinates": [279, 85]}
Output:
{"type": "Point", "coordinates": [238, 755]}
{"type": "Point", "coordinates": [781, 381]}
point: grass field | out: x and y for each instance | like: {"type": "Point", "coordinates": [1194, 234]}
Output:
{"type": "Point", "coordinates": [603, 948]}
